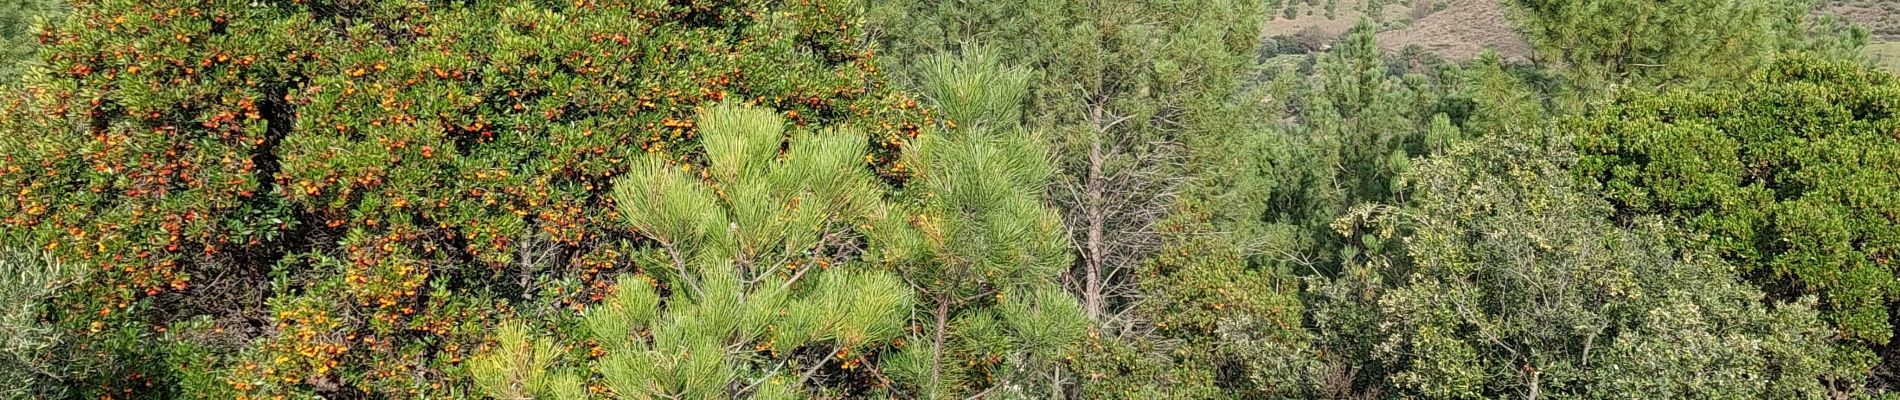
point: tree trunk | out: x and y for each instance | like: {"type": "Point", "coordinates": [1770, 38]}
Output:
{"type": "Point", "coordinates": [1093, 246]}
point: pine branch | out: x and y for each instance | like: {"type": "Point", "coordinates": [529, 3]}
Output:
{"type": "Point", "coordinates": [679, 266]}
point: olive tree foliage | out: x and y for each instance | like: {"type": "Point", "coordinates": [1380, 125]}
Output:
{"type": "Point", "coordinates": [754, 289]}
{"type": "Point", "coordinates": [974, 235]}
{"type": "Point", "coordinates": [1650, 44]}
{"type": "Point", "coordinates": [1502, 277]}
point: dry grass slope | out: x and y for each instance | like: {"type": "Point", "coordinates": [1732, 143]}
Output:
{"type": "Point", "coordinates": [1462, 30]}
{"type": "Point", "coordinates": [1886, 55]}
{"type": "Point", "coordinates": [1880, 16]}
{"type": "Point", "coordinates": [1454, 29]}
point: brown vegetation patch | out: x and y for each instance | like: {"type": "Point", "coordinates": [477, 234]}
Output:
{"type": "Point", "coordinates": [1462, 30]}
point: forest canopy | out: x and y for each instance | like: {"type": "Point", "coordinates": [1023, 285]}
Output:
{"type": "Point", "coordinates": [946, 199]}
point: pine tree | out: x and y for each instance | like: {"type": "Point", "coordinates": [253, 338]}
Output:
{"type": "Point", "coordinates": [975, 237]}
{"type": "Point", "coordinates": [756, 257]}
{"type": "Point", "coordinates": [518, 366]}
{"type": "Point", "coordinates": [1353, 127]}
{"type": "Point", "coordinates": [753, 287]}
{"type": "Point", "coordinates": [1122, 84]}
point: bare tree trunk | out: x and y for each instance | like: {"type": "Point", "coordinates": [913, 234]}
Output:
{"type": "Point", "coordinates": [1092, 287]}
{"type": "Point", "coordinates": [936, 349]}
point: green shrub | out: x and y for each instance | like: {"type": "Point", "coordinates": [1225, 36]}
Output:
{"type": "Point", "coordinates": [1503, 277]}
{"type": "Point", "coordinates": [1791, 179]}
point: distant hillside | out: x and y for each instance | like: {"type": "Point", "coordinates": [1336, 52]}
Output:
{"type": "Point", "coordinates": [1455, 29]}
{"type": "Point", "coordinates": [1463, 29]}
{"type": "Point", "coordinates": [1880, 16]}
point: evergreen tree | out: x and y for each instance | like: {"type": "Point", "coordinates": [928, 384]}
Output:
{"type": "Point", "coordinates": [977, 240]}
{"type": "Point", "coordinates": [1123, 85]}
{"type": "Point", "coordinates": [753, 290]}
{"type": "Point", "coordinates": [1350, 129]}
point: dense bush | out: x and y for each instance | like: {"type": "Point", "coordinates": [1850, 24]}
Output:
{"type": "Point", "coordinates": [1502, 277]}
{"type": "Point", "coordinates": [1792, 180]}
{"type": "Point", "coordinates": [348, 191]}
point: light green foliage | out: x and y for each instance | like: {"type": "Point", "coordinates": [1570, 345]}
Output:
{"type": "Point", "coordinates": [1503, 278]}
{"type": "Point", "coordinates": [1122, 85]}
{"type": "Point", "coordinates": [748, 246]}
{"type": "Point", "coordinates": [976, 239]}
{"type": "Point", "coordinates": [517, 367]}
{"type": "Point", "coordinates": [753, 281]}
{"type": "Point", "coordinates": [19, 20]}
{"type": "Point", "coordinates": [1792, 180]}
{"type": "Point", "coordinates": [27, 342]}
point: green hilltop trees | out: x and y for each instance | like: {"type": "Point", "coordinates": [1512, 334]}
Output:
{"type": "Point", "coordinates": [937, 199]}
{"type": "Point", "coordinates": [1652, 44]}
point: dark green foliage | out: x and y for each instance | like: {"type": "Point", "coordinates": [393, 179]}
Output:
{"type": "Point", "coordinates": [1791, 179]}
{"type": "Point", "coordinates": [1350, 128]}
